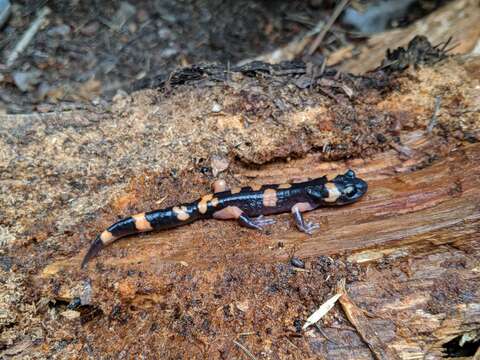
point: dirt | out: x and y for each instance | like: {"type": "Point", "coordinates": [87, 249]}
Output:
{"type": "Point", "coordinates": [87, 51]}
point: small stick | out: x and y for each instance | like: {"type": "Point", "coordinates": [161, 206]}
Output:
{"type": "Point", "coordinates": [336, 13]}
{"type": "Point", "coordinates": [322, 67]}
{"type": "Point", "coordinates": [402, 149]}
{"type": "Point", "coordinates": [320, 330]}
{"type": "Point", "coordinates": [444, 45]}
{"type": "Point", "coordinates": [291, 343]}
{"type": "Point", "coordinates": [228, 73]}
{"type": "Point", "coordinates": [245, 350]}
{"type": "Point", "coordinates": [434, 119]}
{"type": "Point", "coordinates": [28, 36]}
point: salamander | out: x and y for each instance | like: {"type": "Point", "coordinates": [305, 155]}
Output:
{"type": "Point", "coordinates": [248, 205]}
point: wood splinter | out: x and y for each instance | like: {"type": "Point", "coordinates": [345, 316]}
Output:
{"type": "Point", "coordinates": [358, 319]}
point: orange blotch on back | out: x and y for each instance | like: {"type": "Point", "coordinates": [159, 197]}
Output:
{"type": "Point", "coordinates": [203, 203]}
{"type": "Point", "coordinates": [107, 237]}
{"type": "Point", "coordinates": [270, 198]}
{"type": "Point", "coordinates": [333, 192]}
{"type": "Point", "coordinates": [181, 212]}
{"type": "Point", "coordinates": [141, 223]}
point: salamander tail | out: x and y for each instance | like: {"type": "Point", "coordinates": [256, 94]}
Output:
{"type": "Point", "coordinates": [94, 249]}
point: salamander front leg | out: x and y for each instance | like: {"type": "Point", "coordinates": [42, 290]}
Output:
{"type": "Point", "coordinates": [255, 223]}
{"type": "Point", "coordinates": [302, 225]}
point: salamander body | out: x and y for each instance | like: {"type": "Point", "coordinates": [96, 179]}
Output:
{"type": "Point", "coordinates": [247, 205]}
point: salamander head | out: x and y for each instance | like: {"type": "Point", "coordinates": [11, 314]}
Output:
{"type": "Point", "coordinates": [343, 189]}
{"type": "Point", "coordinates": [350, 187]}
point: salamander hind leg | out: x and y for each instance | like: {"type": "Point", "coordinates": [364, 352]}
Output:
{"type": "Point", "coordinates": [302, 225]}
{"type": "Point", "coordinates": [255, 223]}
{"type": "Point", "coordinates": [234, 212]}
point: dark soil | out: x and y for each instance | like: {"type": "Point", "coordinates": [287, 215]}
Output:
{"type": "Point", "coordinates": [86, 51]}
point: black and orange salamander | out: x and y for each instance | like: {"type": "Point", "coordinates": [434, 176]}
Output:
{"type": "Point", "coordinates": [247, 205]}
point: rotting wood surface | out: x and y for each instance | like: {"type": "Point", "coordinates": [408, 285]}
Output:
{"type": "Point", "coordinates": [409, 250]}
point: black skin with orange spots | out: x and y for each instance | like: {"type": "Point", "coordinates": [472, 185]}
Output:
{"type": "Point", "coordinates": [247, 206]}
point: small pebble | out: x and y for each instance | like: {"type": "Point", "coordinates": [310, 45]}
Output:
{"type": "Point", "coordinates": [168, 52]}
{"type": "Point", "coordinates": [71, 314]}
{"type": "Point", "coordinates": [25, 80]}
{"type": "Point", "coordinates": [298, 325]}
{"type": "Point", "coordinates": [216, 108]}
{"type": "Point", "coordinates": [381, 138]}
{"type": "Point", "coordinates": [123, 14]}
{"type": "Point", "coordinates": [297, 263]}
{"type": "Point", "coordinates": [90, 29]}
{"type": "Point", "coordinates": [6, 263]}
{"type": "Point", "coordinates": [60, 30]}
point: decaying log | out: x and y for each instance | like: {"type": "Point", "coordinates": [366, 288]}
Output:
{"type": "Point", "coordinates": [409, 250]}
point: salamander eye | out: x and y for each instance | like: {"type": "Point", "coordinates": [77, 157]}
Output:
{"type": "Point", "coordinates": [350, 174]}
{"type": "Point", "coordinates": [350, 191]}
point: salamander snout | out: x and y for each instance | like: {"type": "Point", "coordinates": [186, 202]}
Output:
{"type": "Point", "coordinates": [361, 186]}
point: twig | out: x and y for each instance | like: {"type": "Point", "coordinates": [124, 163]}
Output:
{"type": "Point", "coordinates": [247, 333]}
{"type": "Point", "coordinates": [322, 67]}
{"type": "Point", "coordinates": [444, 44]}
{"type": "Point", "coordinates": [28, 35]}
{"type": "Point", "coordinates": [5, 10]}
{"type": "Point", "coordinates": [434, 119]}
{"type": "Point", "coordinates": [228, 75]}
{"type": "Point", "coordinates": [336, 13]}
{"type": "Point", "coordinates": [402, 149]}
{"type": "Point", "coordinates": [245, 350]}
{"type": "Point", "coordinates": [320, 330]}
{"type": "Point", "coordinates": [291, 343]}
